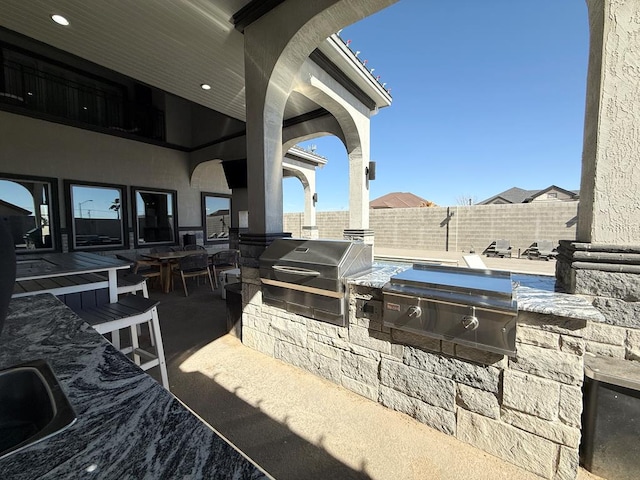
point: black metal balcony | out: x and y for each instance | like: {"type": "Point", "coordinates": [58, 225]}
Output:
{"type": "Point", "coordinates": [55, 96]}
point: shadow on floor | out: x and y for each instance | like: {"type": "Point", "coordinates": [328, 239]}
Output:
{"type": "Point", "coordinates": [189, 323]}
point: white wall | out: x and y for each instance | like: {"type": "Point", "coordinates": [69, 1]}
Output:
{"type": "Point", "coordinates": [35, 147]}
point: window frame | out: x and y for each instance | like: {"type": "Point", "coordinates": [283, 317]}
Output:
{"type": "Point", "coordinates": [54, 211]}
{"type": "Point", "coordinates": [134, 216]}
{"type": "Point", "coordinates": [68, 185]}
{"type": "Point", "coordinates": [203, 208]}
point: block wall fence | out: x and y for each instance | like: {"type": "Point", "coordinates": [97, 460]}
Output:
{"type": "Point", "coordinates": [457, 228]}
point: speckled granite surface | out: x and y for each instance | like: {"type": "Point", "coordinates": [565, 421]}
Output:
{"type": "Point", "coordinates": [379, 274]}
{"type": "Point", "coordinates": [535, 293]}
{"type": "Point", "coordinates": [128, 426]}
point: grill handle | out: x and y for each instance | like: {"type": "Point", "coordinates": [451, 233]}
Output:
{"type": "Point", "coordinates": [296, 271]}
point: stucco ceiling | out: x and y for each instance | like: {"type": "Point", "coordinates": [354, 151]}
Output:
{"type": "Point", "coordinates": [174, 45]}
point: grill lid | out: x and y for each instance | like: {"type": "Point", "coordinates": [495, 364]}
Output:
{"type": "Point", "coordinates": [319, 264]}
{"type": "Point", "coordinates": [297, 252]}
{"type": "Point", "coordinates": [489, 289]}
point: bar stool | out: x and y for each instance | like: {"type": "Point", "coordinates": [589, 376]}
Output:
{"type": "Point", "coordinates": [132, 283]}
{"type": "Point", "coordinates": [129, 312]}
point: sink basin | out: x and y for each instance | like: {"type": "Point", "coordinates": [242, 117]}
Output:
{"type": "Point", "coordinates": [32, 406]}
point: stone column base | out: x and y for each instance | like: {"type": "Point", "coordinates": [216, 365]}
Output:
{"type": "Point", "coordinates": [310, 232]}
{"type": "Point", "coordinates": [234, 237]}
{"type": "Point", "coordinates": [608, 273]}
{"type": "Point", "coordinates": [359, 235]}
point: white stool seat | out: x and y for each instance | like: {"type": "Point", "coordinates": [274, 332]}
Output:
{"type": "Point", "coordinates": [129, 312]}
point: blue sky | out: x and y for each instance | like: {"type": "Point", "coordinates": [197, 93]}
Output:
{"type": "Point", "coordinates": [487, 95]}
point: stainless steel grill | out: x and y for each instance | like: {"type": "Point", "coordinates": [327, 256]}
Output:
{"type": "Point", "coordinates": [466, 306]}
{"type": "Point", "coordinates": [307, 277]}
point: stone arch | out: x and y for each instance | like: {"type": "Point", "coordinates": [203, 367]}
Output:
{"type": "Point", "coordinates": [318, 127]}
{"type": "Point", "coordinates": [353, 117]}
{"type": "Point", "coordinates": [276, 46]}
{"type": "Point", "coordinates": [299, 174]}
{"type": "Point", "coordinates": [209, 176]}
{"type": "Point", "coordinates": [348, 112]}
{"type": "Point", "coordinates": [232, 149]}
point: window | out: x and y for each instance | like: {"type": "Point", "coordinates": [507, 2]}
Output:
{"type": "Point", "coordinates": [155, 216]}
{"type": "Point", "coordinates": [96, 216]}
{"type": "Point", "coordinates": [552, 195]}
{"type": "Point", "coordinates": [216, 217]}
{"type": "Point", "coordinates": [25, 203]}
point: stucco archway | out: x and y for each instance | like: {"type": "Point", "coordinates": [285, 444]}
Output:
{"type": "Point", "coordinates": [276, 46]}
{"type": "Point", "coordinates": [208, 176]}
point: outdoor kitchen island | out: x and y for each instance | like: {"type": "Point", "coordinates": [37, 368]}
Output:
{"type": "Point", "coordinates": [525, 409]}
{"type": "Point", "coordinates": [128, 425]}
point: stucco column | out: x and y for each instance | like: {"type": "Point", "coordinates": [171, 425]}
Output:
{"type": "Point", "coordinates": [609, 212]}
{"type": "Point", "coordinates": [355, 122]}
{"type": "Point", "coordinates": [309, 227]}
{"type": "Point", "coordinates": [604, 262]}
{"type": "Point", "coordinates": [307, 176]}
{"type": "Point", "coordinates": [359, 187]}
{"type": "Point", "coordinates": [276, 46]}
{"type": "Point", "coordinates": [239, 203]}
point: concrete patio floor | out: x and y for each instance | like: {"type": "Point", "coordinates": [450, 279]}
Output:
{"type": "Point", "coordinates": [294, 424]}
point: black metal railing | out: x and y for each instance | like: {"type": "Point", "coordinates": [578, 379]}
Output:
{"type": "Point", "coordinates": [54, 95]}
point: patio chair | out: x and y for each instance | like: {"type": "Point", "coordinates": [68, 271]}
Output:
{"type": "Point", "coordinates": [542, 249]}
{"type": "Point", "coordinates": [503, 248]}
{"type": "Point", "coordinates": [223, 260]}
{"type": "Point", "coordinates": [149, 269]}
{"type": "Point", "coordinates": [196, 265]}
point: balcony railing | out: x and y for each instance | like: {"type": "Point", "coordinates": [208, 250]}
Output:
{"type": "Point", "coordinates": [53, 95]}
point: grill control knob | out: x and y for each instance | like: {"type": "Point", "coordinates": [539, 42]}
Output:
{"type": "Point", "coordinates": [414, 312]}
{"type": "Point", "coordinates": [470, 322]}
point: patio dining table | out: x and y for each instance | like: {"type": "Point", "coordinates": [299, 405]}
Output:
{"type": "Point", "coordinates": [166, 259]}
{"type": "Point", "coordinates": [65, 273]}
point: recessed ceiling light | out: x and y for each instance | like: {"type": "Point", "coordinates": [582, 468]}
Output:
{"type": "Point", "coordinates": [60, 20]}
{"type": "Point", "coordinates": [205, 86]}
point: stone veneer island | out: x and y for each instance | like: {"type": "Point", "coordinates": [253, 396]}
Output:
{"type": "Point", "coordinates": [525, 410]}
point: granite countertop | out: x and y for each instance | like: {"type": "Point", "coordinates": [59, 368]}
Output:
{"type": "Point", "coordinates": [534, 293]}
{"type": "Point", "coordinates": [128, 425]}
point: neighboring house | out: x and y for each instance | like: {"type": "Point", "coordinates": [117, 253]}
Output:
{"type": "Point", "coordinates": [519, 195]}
{"type": "Point", "coordinates": [400, 200]}
{"type": "Point", "coordinates": [9, 209]}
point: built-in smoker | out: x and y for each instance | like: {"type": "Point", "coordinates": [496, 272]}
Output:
{"type": "Point", "coordinates": [308, 277]}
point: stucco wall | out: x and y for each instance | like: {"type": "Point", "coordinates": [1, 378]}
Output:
{"type": "Point", "coordinates": [610, 173]}
{"type": "Point", "coordinates": [464, 226]}
{"type": "Point", "coordinates": [35, 147]}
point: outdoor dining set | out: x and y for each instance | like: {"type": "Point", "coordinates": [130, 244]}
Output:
{"type": "Point", "coordinates": [162, 264]}
{"type": "Point", "coordinates": [111, 294]}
